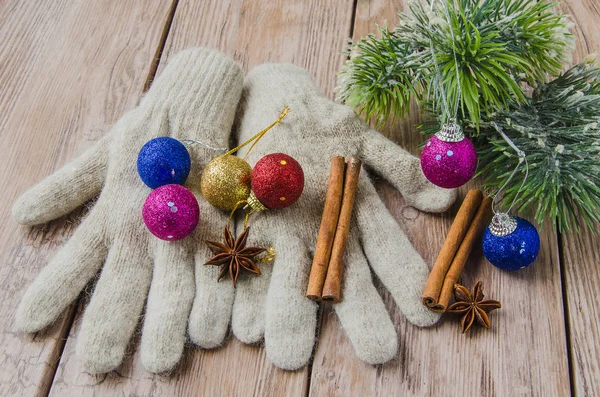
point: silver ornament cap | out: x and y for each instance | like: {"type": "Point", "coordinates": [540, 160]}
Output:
{"type": "Point", "coordinates": [450, 132]}
{"type": "Point", "coordinates": [502, 224]}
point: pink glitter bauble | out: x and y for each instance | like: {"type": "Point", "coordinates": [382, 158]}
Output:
{"type": "Point", "coordinates": [448, 164]}
{"type": "Point", "coordinates": [171, 212]}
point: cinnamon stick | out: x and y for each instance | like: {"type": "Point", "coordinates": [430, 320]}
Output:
{"type": "Point", "coordinates": [329, 221]}
{"type": "Point", "coordinates": [479, 223]}
{"type": "Point", "coordinates": [333, 282]}
{"type": "Point", "coordinates": [456, 234]}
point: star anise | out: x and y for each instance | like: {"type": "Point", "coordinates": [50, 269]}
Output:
{"type": "Point", "coordinates": [472, 307]}
{"type": "Point", "coordinates": [233, 255]}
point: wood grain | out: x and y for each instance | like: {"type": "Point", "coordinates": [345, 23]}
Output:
{"type": "Point", "coordinates": [64, 80]}
{"type": "Point", "coordinates": [580, 256]}
{"type": "Point", "coordinates": [581, 266]}
{"type": "Point", "coordinates": [523, 354]}
{"type": "Point", "coordinates": [69, 70]}
{"type": "Point", "coordinates": [311, 34]}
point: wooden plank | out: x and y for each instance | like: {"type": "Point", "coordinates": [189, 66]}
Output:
{"type": "Point", "coordinates": [308, 33]}
{"type": "Point", "coordinates": [581, 266]}
{"type": "Point", "coordinates": [68, 71]}
{"type": "Point", "coordinates": [311, 34]}
{"type": "Point", "coordinates": [580, 255]}
{"type": "Point", "coordinates": [523, 354]}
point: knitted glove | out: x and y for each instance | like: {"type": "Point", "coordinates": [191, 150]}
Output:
{"type": "Point", "coordinates": [194, 98]}
{"type": "Point", "coordinates": [274, 305]}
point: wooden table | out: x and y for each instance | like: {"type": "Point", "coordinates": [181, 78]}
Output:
{"type": "Point", "coordinates": [70, 69]}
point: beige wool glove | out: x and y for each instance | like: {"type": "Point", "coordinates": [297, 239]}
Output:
{"type": "Point", "coordinates": [274, 305]}
{"type": "Point", "coordinates": [194, 98]}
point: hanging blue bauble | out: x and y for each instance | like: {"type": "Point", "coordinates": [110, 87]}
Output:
{"type": "Point", "coordinates": [510, 243]}
{"type": "Point", "coordinates": [163, 161]}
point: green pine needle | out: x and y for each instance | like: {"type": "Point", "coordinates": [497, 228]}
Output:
{"type": "Point", "coordinates": [559, 130]}
{"type": "Point", "coordinates": [497, 43]}
{"type": "Point", "coordinates": [499, 48]}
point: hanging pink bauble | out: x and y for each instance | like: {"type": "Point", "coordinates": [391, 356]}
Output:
{"type": "Point", "coordinates": [171, 212]}
{"type": "Point", "coordinates": [449, 159]}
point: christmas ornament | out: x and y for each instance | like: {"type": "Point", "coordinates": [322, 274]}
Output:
{"type": "Point", "coordinates": [163, 161]}
{"type": "Point", "coordinates": [510, 243]}
{"type": "Point", "coordinates": [225, 181]}
{"type": "Point", "coordinates": [449, 159]}
{"type": "Point", "coordinates": [277, 182]}
{"type": "Point", "coordinates": [226, 184]}
{"type": "Point", "coordinates": [171, 212]}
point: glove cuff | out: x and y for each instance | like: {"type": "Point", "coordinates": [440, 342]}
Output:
{"type": "Point", "coordinates": [201, 89]}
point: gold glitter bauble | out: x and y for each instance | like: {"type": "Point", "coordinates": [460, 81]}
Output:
{"type": "Point", "coordinates": [225, 181]}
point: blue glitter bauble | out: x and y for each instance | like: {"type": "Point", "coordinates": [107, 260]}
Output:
{"type": "Point", "coordinates": [514, 251]}
{"type": "Point", "coordinates": [163, 161]}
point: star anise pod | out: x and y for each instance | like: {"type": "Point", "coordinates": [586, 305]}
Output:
{"type": "Point", "coordinates": [472, 307]}
{"type": "Point", "coordinates": [233, 255]}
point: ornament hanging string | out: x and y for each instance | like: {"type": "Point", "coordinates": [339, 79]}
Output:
{"type": "Point", "coordinates": [233, 255]}
{"type": "Point", "coordinates": [196, 142]}
{"type": "Point", "coordinates": [449, 159]}
{"type": "Point", "coordinates": [522, 159]}
{"type": "Point", "coordinates": [254, 140]}
{"type": "Point", "coordinates": [246, 216]}
{"type": "Point", "coordinates": [522, 247]}
{"type": "Point", "coordinates": [452, 116]}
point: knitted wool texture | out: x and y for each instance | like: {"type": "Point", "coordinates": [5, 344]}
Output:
{"type": "Point", "coordinates": [194, 98]}
{"type": "Point", "coordinates": [274, 305]}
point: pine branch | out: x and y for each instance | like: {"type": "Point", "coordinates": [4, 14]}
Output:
{"type": "Point", "coordinates": [559, 130]}
{"type": "Point", "coordinates": [498, 44]}
{"type": "Point", "coordinates": [385, 66]}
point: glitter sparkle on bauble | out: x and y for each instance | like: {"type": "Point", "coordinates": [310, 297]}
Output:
{"type": "Point", "coordinates": [510, 242]}
{"type": "Point", "coordinates": [225, 181]}
{"type": "Point", "coordinates": [277, 182]}
{"type": "Point", "coordinates": [449, 159]}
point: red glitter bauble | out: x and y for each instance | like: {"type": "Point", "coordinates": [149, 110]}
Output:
{"type": "Point", "coordinates": [277, 180]}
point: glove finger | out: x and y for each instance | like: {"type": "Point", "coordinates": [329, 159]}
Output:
{"type": "Point", "coordinates": [362, 311]}
{"type": "Point", "coordinates": [66, 189]}
{"type": "Point", "coordinates": [168, 308]}
{"type": "Point", "coordinates": [248, 318]}
{"type": "Point", "coordinates": [391, 255]}
{"type": "Point", "coordinates": [291, 318]}
{"type": "Point", "coordinates": [403, 170]}
{"type": "Point", "coordinates": [211, 310]}
{"type": "Point", "coordinates": [61, 281]}
{"type": "Point", "coordinates": [116, 305]}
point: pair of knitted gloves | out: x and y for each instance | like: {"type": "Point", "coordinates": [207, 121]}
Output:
{"type": "Point", "coordinates": [196, 98]}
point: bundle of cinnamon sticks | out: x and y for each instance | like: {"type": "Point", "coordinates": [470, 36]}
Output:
{"type": "Point", "coordinates": [472, 218]}
{"type": "Point", "coordinates": [326, 274]}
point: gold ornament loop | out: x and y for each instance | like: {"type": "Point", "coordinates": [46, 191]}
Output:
{"type": "Point", "coordinates": [237, 205]}
{"type": "Point", "coordinates": [254, 204]}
